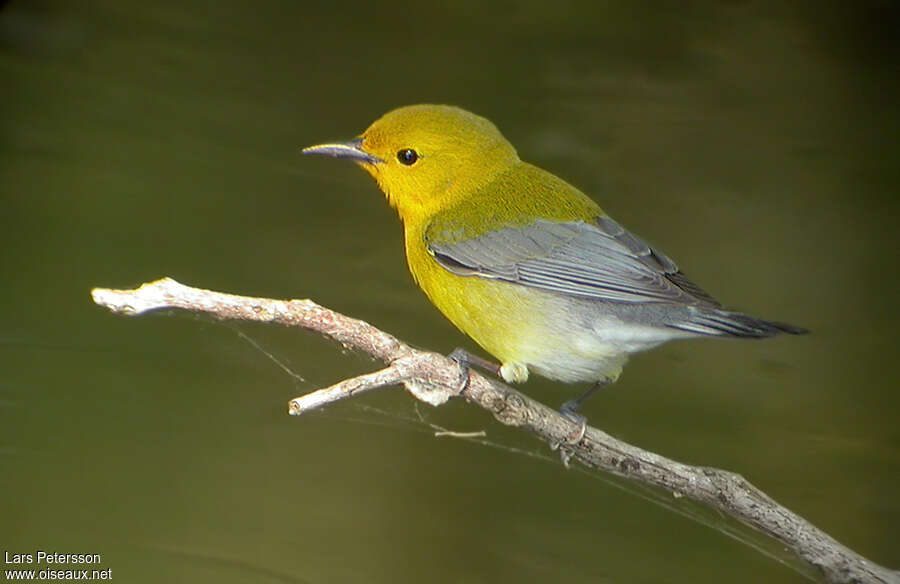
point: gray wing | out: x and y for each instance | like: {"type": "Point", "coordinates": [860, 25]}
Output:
{"type": "Point", "coordinates": [598, 260]}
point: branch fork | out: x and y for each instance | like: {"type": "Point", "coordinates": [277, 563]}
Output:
{"type": "Point", "coordinates": [415, 371]}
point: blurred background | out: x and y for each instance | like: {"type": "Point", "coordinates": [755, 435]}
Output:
{"type": "Point", "coordinates": [754, 143]}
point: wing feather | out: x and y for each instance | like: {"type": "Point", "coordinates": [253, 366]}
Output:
{"type": "Point", "coordinates": [598, 260]}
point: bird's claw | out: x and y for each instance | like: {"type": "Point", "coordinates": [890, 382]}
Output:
{"type": "Point", "coordinates": [461, 356]}
{"type": "Point", "coordinates": [466, 360]}
{"type": "Point", "coordinates": [565, 452]}
{"type": "Point", "coordinates": [569, 411]}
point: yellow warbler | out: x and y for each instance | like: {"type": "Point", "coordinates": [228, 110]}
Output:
{"type": "Point", "coordinates": [523, 262]}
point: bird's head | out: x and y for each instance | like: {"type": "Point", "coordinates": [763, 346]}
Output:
{"type": "Point", "coordinates": [425, 157]}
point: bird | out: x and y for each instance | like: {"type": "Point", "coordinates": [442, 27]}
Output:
{"type": "Point", "coordinates": [528, 266]}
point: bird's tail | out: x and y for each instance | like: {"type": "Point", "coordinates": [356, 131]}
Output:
{"type": "Point", "coordinates": [734, 324]}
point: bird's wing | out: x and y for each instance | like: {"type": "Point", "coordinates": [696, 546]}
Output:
{"type": "Point", "coordinates": [599, 260]}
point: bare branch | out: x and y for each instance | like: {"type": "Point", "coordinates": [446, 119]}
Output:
{"type": "Point", "coordinates": [434, 378]}
{"type": "Point", "coordinates": [344, 389]}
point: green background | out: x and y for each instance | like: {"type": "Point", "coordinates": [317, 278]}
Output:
{"type": "Point", "coordinates": [755, 144]}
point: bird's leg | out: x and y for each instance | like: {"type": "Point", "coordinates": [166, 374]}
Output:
{"type": "Point", "coordinates": [570, 410]}
{"type": "Point", "coordinates": [465, 360]}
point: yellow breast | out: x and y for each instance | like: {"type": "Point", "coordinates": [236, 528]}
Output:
{"type": "Point", "coordinates": [495, 314]}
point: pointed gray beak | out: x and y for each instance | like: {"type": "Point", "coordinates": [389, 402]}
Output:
{"type": "Point", "coordinates": [352, 150]}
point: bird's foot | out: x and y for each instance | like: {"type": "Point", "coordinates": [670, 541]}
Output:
{"type": "Point", "coordinates": [565, 447]}
{"type": "Point", "coordinates": [465, 360]}
{"type": "Point", "coordinates": [565, 452]}
{"type": "Point", "coordinates": [569, 411]}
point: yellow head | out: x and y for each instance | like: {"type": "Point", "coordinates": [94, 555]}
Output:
{"type": "Point", "coordinates": [425, 157]}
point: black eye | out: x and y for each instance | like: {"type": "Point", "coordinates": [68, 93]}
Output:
{"type": "Point", "coordinates": [407, 156]}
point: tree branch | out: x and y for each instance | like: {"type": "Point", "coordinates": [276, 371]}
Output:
{"type": "Point", "coordinates": [433, 378]}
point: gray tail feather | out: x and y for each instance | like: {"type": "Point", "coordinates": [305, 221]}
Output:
{"type": "Point", "coordinates": [735, 324]}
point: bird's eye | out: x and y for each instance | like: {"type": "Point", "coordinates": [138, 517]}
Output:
{"type": "Point", "coordinates": [407, 156]}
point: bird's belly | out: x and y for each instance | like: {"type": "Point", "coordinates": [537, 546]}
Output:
{"type": "Point", "coordinates": [580, 344]}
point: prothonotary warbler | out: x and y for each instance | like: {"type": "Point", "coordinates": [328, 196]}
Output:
{"type": "Point", "coordinates": [523, 262]}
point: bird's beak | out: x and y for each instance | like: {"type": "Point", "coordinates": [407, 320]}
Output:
{"type": "Point", "coordinates": [352, 150]}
